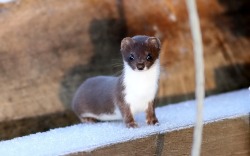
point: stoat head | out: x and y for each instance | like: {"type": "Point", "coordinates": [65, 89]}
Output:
{"type": "Point", "coordinates": [140, 52]}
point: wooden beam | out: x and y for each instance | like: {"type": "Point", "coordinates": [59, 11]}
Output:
{"type": "Point", "coordinates": [225, 137]}
{"type": "Point", "coordinates": [226, 132]}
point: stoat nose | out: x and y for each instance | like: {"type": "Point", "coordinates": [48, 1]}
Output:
{"type": "Point", "coordinates": [140, 66]}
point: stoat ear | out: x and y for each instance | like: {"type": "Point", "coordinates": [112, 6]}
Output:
{"type": "Point", "coordinates": [126, 43]}
{"type": "Point", "coordinates": [154, 42]}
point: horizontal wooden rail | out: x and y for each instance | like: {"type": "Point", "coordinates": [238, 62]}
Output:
{"type": "Point", "coordinates": [226, 132]}
{"type": "Point", "coordinates": [224, 137]}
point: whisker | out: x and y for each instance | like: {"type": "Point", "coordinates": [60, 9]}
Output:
{"type": "Point", "coordinates": [118, 73]}
{"type": "Point", "coordinates": [117, 65]}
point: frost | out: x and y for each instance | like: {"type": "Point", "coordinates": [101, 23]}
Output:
{"type": "Point", "coordinates": [86, 137]}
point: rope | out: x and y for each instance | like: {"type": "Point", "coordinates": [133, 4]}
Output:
{"type": "Point", "coordinates": [199, 74]}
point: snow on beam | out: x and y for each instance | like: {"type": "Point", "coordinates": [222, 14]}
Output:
{"type": "Point", "coordinates": [88, 137]}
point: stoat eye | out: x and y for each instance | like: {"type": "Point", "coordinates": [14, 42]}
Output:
{"type": "Point", "coordinates": [149, 57]}
{"type": "Point", "coordinates": [131, 57]}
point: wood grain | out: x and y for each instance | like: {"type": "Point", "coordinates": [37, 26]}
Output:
{"type": "Point", "coordinates": [48, 47]}
{"type": "Point", "coordinates": [225, 137]}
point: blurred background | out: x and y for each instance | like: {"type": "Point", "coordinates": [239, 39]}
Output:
{"type": "Point", "coordinates": [49, 47]}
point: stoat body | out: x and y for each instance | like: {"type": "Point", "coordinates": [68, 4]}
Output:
{"type": "Point", "coordinates": [106, 98]}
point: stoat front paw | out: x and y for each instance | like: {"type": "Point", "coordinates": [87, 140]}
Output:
{"type": "Point", "coordinates": [132, 125]}
{"type": "Point", "coordinates": [153, 121]}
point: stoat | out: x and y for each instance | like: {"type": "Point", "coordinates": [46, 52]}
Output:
{"type": "Point", "coordinates": [105, 98]}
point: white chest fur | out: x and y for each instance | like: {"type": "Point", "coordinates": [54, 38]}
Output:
{"type": "Point", "coordinates": [140, 86]}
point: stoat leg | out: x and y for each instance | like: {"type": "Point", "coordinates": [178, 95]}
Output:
{"type": "Point", "coordinates": [151, 118]}
{"type": "Point", "coordinates": [127, 116]}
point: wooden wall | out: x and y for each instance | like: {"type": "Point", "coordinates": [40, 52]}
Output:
{"type": "Point", "coordinates": [48, 47]}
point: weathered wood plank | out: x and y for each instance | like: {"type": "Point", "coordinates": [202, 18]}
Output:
{"type": "Point", "coordinates": [226, 137]}
{"type": "Point", "coordinates": [226, 132]}
{"type": "Point", "coordinates": [47, 48]}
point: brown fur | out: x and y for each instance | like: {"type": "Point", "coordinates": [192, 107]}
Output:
{"type": "Point", "coordinates": [95, 96]}
{"type": "Point", "coordinates": [150, 114]}
{"type": "Point", "coordinates": [124, 108]}
{"type": "Point", "coordinates": [140, 47]}
{"type": "Point", "coordinates": [99, 95]}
